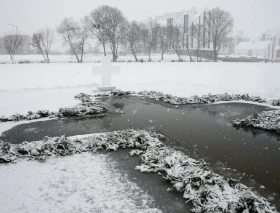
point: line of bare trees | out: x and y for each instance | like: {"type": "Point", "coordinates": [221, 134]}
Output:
{"type": "Point", "coordinates": [108, 27]}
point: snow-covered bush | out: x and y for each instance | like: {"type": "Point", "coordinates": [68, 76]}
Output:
{"type": "Point", "coordinates": [95, 108]}
{"type": "Point", "coordinates": [84, 98]}
{"type": "Point", "coordinates": [275, 102]}
{"type": "Point", "coordinates": [208, 191]}
{"type": "Point", "coordinates": [268, 120]}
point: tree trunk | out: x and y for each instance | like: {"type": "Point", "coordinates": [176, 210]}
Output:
{"type": "Point", "coordinates": [77, 58]}
{"type": "Point", "coordinates": [197, 49]}
{"type": "Point", "coordinates": [179, 56]}
{"type": "Point", "coordinates": [215, 57]}
{"type": "Point", "coordinates": [215, 54]}
{"type": "Point", "coordinates": [162, 52]}
{"type": "Point", "coordinates": [215, 51]}
{"type": "Point", "coordinates": [104, 48]}
{"type": "Point", "coordinates": [82, 55]}
{"type": "Point", "coordinates": [136, 59]}
{"type": "Point", "coordinates": [176, 51]}
{"type": "Point", "coordinates": [150, 53]}
{"type": "Point", "coordinates": [47, 57]}
{"type": "Point", "coordinates": [189, 53]}
{"type": "Point", "coordinates": [114, 52]}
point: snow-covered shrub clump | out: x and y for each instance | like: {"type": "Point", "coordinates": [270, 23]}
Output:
{"type": "Point", "coordinates": [208, 191]}
{"type": "Point", "coordinates": [62, 146]}
{"type": "Point", "coordinates": [275, 102]}
{"type": "Point", "coordinates": [87, 107]}
{"type": "Point", "coordinates": [29, 116]}
{"type": "Point", "coordinates": [205, 99]}
{"type": "Point", "coordinates": [268, 120]}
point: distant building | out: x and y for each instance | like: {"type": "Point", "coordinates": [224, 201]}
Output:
{"type": "Point", "coordinates": [235, 40]}
{"type": "Point", "coordinates": [186, 20]}
{"type": "Point", "coordinates": [274, 38]}
{"type": "Point", "coordinates": [260, 49]}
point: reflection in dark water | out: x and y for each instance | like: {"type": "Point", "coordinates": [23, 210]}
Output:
{"type": "Point", "coordinates": [203, 129]}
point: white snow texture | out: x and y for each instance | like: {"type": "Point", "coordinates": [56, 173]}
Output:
{"type": "Point", "coordinates": [74, 184]}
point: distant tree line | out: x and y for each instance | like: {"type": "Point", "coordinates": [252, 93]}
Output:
{"type": "Point", "coordinates": [109, 27]}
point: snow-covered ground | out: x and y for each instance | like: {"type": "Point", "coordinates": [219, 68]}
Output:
{"type": "Point", "coordinates": [80, 183]}
{"type": "Point", "coordinates": [88, 58]}
{"type": "Point", "coordinates": [26, 87]}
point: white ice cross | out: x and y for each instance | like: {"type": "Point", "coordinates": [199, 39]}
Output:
{"type": "Point", "coordinates": [106, 71]}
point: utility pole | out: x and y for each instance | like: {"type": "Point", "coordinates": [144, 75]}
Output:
{"type": "Point", "coordinates": [13, 26]}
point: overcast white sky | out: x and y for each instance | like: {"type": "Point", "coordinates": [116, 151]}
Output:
{"type": "Point", "coordinates": [251, 16]}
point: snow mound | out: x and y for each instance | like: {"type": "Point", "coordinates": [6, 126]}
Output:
{"type": "Point", "coordinates": [268, 120]}
{"type": "Point", "coordinates": [208, 191]}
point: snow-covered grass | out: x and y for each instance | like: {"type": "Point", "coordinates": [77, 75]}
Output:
{"type": "Point", "coordinates": [81, 183]}
{"type": "Point", "coordinates": [208, 191]}
{"type": "Point", "coordinates": [205, 99]}
{"type": "Point", "coordinates": [25, 87]}
{"type": "Point", "coordinates": [268, 120]}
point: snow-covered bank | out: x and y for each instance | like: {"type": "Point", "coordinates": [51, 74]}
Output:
{"type": "Point", "coordinates": [208, 191]}
{"type": "Point", "coordinates": [87, 107]}
{"type": "Point", "coordinates": [205, 99]}
{"type": "Point", "coordinates": [268, 120]}
{"type": "Point", "coordinates": [80, 183]}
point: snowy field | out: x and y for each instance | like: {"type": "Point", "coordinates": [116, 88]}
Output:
{"type": "Point", "coordinates": [80, 183]}
{"type": "Point", "coordinates": [32, 87]}
{"type": "Point", "coordinates": [89, 58]}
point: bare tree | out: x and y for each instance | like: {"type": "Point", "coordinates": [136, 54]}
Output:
{"type": "Point", "coordinates": [47, 41]}
{"type": "Point", "coordinates": [42, 41]}
{"type": "Point", "coordinates": [219, 25]}
{"type": "Point", "coordinates": [174, 35]}
{"type": "Point", "coordinates": [151, 36]}
{"type": "Point", "coordinates": [82, 37]}
{"type": "Point", "coordinates": [36, 42]}
{"type": "Point", "coordinates": [185, 43]}
{"type": "Point", "coordinates": [133, 37]}
{"type": "Point", "coordinates": [12, 43]}
{"type": "Point", "coordinates": [196, 31]}
{"type": "Point", "coordinates": [75, 36]}
{"type": "Point", "coordinates": [96, 23]}
{"type": "Point", "coordinates": [163, 41]}
{"type": "Point", "coordinates": [115, 28]}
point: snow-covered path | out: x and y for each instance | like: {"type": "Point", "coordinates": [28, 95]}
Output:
{"type": "Point", "coordinates": [79, 183]}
